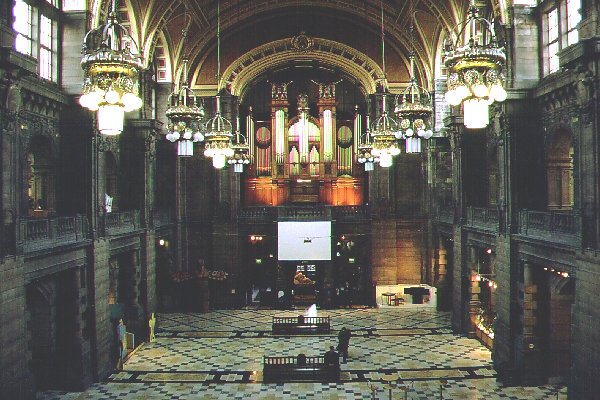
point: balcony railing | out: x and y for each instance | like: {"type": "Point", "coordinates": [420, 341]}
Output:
{"type": "Point", "coordinates": [483, 218]}
{"type": "Point", "coordinates": [121, 223]}
{"type": "Point", "coordinates": [319, 213]}
{"type": "Point", "coordinates": [39, 234]}
{"type": "Point", "coordinates": [258, 214]}
{"type": "Point", "coordinates": [445, 214]}
{"type": "Point", "coordinates": [343, 213]}
{"type": "Point", "coordinates": [556, 226]}
{"type": "Point", "coordinates": [161, 218]}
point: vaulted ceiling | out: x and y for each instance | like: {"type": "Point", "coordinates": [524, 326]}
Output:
{"type": "Point", "coordinates": [248, 24]}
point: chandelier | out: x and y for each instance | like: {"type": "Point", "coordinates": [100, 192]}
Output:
{"type": "Point", "coordinates": [384, 128]}
{"type": "Point", "coordinates": [383, 133]}
{"type": "Point", "coordinates": [111, 63]}
{"type": "Point", "coordinates": [241, 152]}
{"type": "Point", "coordinates": [475, 69]}
{"type": "Point", "coordinates": [364, 153]}
{"type": "Point", "coordinates": [413, 108]}
{"type": "Point", "coordinates": [184, 113]}
{"type": "Point", "coordinates": [219, 130]}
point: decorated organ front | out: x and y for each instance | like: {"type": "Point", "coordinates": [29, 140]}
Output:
{"type": "Point", "coordinates": [302, 154]}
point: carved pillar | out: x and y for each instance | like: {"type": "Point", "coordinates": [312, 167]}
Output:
{"type": "Point", "coordinates": [529, 364]}
{"type": "Point", "coordinates": [474, 289]}
{"type": "Point", "coordinates": [505, 170]}
{"type": "Point", "coordinates": [279, 123]}
{"type": "Point", "coordinates": [455, 132]}
{"type": "Point", "coordinates": [442, 262]}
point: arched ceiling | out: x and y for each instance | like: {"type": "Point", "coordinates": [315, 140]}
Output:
{"type": "Point", "coordinates": [243, 23]}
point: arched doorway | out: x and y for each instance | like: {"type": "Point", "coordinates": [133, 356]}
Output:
{"type": "Point", "coordinates": [559, 171]}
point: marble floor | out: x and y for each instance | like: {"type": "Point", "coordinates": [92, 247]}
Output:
{"type": "Point", "coordinates": [218, 355]}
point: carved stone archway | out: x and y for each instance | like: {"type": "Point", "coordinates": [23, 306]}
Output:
{"type": "Point", "coordinates": [243, 71]}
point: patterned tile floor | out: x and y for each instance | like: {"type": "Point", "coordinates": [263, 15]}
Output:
{"type": "Point", "coordinates": [218, 355]}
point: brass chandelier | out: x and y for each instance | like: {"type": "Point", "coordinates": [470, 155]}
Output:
{"type": "Point", "coordinates": [383, 131]}
{"type": "Point", "coordinates": [383, 134]}
{"type": "Point", "coordinates": [413, 107]}
{"type": "Point", "coordinates": [111, 63]}
{"type": "Point", "coordinates": [219, 130]}
{"type": "Point", "coordinates": [364, 154]}
{"type": "Point", "coordinates": [475, 69]}
{"type": "Point", "coordinates": [184, 113]}
{"type": "Point", "coordinates": [241, 152]}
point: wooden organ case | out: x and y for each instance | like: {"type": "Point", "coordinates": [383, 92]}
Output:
{"type": "Point", "coordinates": [303, 159]}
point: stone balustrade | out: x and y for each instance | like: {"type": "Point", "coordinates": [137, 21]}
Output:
{"type": "Point", "coordinates": [483, 218]}
{"type": "Point", "coordinates": [44, 233]}
{"type": "Point", "coordinates": [121, 223]}
{"type": "Point", "coordinates": [557, 226]}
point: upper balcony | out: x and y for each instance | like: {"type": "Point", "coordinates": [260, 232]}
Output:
{"type": "Point", "coordinates": [122, 223]}
{"type": "Point", "coordinates": [45, 233]}
{"type": "Point", "coordinates": [483, 218]}
{"type": "Point", "coordinates": [304, 213]}
{"type": "Point", "coordinates": [561, 227]}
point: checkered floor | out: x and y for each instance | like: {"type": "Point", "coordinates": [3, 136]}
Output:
{"type": "Point", "coordinates": [218, 355]}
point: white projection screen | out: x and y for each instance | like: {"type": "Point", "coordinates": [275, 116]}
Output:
{"type": "Point", "coordinates": [298, 241]}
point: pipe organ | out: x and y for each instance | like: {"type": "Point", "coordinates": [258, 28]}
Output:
{"type": "Point", "coordinates": [304, 155]}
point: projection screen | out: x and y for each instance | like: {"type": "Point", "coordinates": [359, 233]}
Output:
{"type": "Point", "coordinates": [304, 240]}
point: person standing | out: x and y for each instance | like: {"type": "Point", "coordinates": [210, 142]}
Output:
{"type": "Point", "coordinates": [343, 342]}
{"type": "Point", "coordinates": [332, 357]}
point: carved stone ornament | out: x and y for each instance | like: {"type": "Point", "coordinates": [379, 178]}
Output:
{"type": "Point", "coordinates": [107, 143]}
{"type": "Point", "coordinates": [150, 143]}
{"type": "Point", "coordinates": [302, 43]}
{"type": "Point", "coordinates": [585, 91]}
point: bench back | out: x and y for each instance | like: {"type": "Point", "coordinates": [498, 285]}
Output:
{"type": "Point", "coordinates": [307, 320]}
{"type": "Point", "coordinates": [291, 360]}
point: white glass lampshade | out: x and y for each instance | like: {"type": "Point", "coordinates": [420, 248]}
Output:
{"type": "Point", "coordinates": [219, 160]}
{"type": "Point", "coordinates": [498, 93]}
{"type": "Point", "coordinates": [185, 148]}
{"type": "Point", "coordinates": [369, 166]}
{"type": "Point", "coordinates": [476, 113]}
{"type": "Point", "coordinates": [385, 160]}
{"type": "Point", "coordinates": [239, 168]}
{"type": "Point", "coordinates": [413, 144]}
{"type": "Point", "coordinates": [110, 119]}
{"type": "Point", "coordinates": [480, 90]}
{"type": "Point", "coordinates": [131, 102]}
{"type": "Point", "coordinates": [111, 96]}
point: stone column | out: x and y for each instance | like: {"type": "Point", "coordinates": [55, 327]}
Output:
{"type": "Point", "coordinates": [101, 328]}
{"type": "Point", "coordinates": [529, 361]}
{"type": "Point", "coordinates": [474, 289]}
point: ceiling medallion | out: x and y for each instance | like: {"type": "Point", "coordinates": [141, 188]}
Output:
{"type": "Point", "coordinates": [302, 43]}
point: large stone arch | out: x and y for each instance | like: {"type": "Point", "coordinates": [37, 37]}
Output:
{"type": "Point", "coordinates": [247, 68]}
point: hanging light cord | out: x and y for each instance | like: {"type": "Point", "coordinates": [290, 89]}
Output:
{"type": "Point", "coordinates": [382, 42]}
{"type": "Point", "coordinates": [218, 43]}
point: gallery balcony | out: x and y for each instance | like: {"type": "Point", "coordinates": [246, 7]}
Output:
{"type": "Point", "coordinates": [39, 234]}
{"type": "Point", "coordinates": [483, 218]}
{"type": "Point", "coordinates": [553, 226]}
{"type": "Point", "coordinates": [122, 223]}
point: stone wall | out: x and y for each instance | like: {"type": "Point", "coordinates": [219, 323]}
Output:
{"type": "Point", "coordinates": [14, 374]}
{"type": "Point", "coordinates": [586, 329]}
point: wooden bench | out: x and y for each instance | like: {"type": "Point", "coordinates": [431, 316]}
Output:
{"type": "Point", "coordinates": [300, 325]}
{"type": "Point", "coordinates": [286, 369]}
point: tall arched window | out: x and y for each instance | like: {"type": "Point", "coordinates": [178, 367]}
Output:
{"type": "Point", "coordinates": [40, 178]}
{"type": "Point", "coordinates": [559, 170]}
